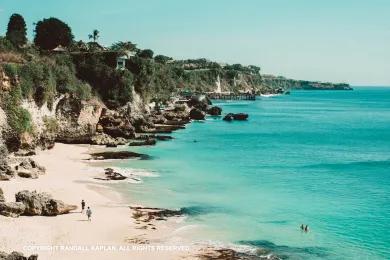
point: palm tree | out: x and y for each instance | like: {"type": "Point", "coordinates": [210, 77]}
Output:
{"type": "Point", "coordinates": [94, 36]}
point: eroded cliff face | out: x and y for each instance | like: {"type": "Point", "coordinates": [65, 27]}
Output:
{"type": "Point", "coordinates": [77, 119]}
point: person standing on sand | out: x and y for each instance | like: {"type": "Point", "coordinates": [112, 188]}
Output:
{"type": "Point", "coordinates": [82, 206]}
{"type": "Point", "coordinates": [89, 214]}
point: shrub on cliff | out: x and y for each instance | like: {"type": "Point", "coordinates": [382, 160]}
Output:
{"type": "Point", "coordinates": [17, 31]}
{"type": "Point", "coordinates": [5, 45]}
{"type": "Point", "coordinates": [18, 118]}
{"type": "Point", "coordinates": [51, 32]}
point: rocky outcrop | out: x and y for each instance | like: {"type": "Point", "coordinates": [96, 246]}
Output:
{"type": "Point", "coordinates": [6, 172]}
{"type": "Point", "coordinates": [197, 114]}
{"type": "Point", "coordinates": [77, 119]}
{"type": "Point", "coordinates": [180, 113]}
{"type": "Point", "coordinates": [115, 125]}
{"type": "Point", "coordinates": [42, 204]}
{"type": "Point", "coordinates": [200, 102]}
{"type": "Point", "coordinates": [28, 168]}
{"type": "Point", "coordinates": [108, 155]}
{"type": "Point", "coordinates": [214, 111]}
{"type": "Point", "coordinates": [16, 256]}
{"type": "Point", "coordinates": [105, 139]}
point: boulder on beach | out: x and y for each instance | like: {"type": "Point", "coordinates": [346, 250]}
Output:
{"type": "Point", "coordinates": [42, 204]}
{"type": "Point", "coordinates": [16, 256]}
{"type": "Point", "coordinates": [28, 168]}
{"type": "Point", "coordinates": [197, 114]}
{"type": "Point", "coordinates": [12, 209]}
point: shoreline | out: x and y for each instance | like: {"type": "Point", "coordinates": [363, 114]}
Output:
{"type": "Point", "coordinates": [70, 179]}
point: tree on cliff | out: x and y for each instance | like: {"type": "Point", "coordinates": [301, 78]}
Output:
{"type": "Point", "coordinates": [146, 54]}
{"type": "Point", "coordinates": [51, 32]}
{"type": "Point", "coordinates": [16, 30]}
{"type": "Point", "coordinates": [94, 35]}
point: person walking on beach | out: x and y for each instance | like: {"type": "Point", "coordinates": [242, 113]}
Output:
{"type": "Point", "coordinates": [89, 213]}
{"type": "Point", "coordinates": [82, 206]}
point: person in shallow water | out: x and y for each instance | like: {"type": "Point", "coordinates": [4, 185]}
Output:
{"type": "Point", "coordinates": [306, 228]}
{"type": "Point", "coordinates": [302, 227]}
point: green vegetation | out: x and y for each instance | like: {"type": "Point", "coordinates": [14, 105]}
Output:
{"type": "Point", "coordinates": [17, 31]}
{"type": "Point", "coordinates": [19, 119]}
{"type": "Point", "coordinates": [124, 46]}
{"type": "Point", "coordinates": [146, 54]}
{"type": "Point", "coordinates": [52, 32]}
{"type": "Point", "coordinates": [51, 124]}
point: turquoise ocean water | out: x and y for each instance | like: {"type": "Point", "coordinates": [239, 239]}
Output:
{"type": "Point", "coordinates": [320, 158]}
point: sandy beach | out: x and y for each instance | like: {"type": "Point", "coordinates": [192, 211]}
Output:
{"type": "Point", "coordinates": [110, 234]}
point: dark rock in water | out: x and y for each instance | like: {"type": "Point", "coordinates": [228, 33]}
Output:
{"type": "Point", "coordinates": [42, 204]}
{"type": "Point", "coordinates": [164, 137]}
{"type": "Point", "coordinates": [113, 175]}
{"type": "Point", "coordinates": [240, 116]}
{"type": "Point", "coordinates": [228, 117]}
{"type": "Point", "coordinates": [144, 142]}
{"type": "Point", "coordinates": [12, 209]}
{"type": "Point", "coordinates": [214, 111]}
{"type": "Point", "coordinates": [200, 102]}
{"type": "Point", "coordinates": [16, 256]}
{"type": "Point", "coordinates": [146, 214]}
{"type": "Point", "coordinates": [108, 155]}
{"type": "Point", "coordinates": [197, 114]}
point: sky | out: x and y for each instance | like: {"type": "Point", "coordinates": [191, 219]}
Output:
{"type": "Point", "coordinates": [325, 40]}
